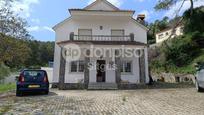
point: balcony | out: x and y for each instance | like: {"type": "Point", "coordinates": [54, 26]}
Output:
{"type": "Point", "coordinates": [101, 37]}
{"type": "Point", "coordinates": [102, 40]}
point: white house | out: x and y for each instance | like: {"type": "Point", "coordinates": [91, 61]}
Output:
{"type": "Point", "coordinates": [94, 46]}
{"type": "Point", "coordinates": [165, 34]}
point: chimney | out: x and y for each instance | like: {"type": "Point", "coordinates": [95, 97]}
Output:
{"type": "Point", "coordinates": [141, 18]}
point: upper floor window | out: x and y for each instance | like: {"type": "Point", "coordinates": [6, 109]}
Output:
{"type": "Point", "coordinates": [117, 34]}
{"type": "Point", "coordinates": [85, 34]}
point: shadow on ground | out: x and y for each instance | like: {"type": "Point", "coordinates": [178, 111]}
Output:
{"type": "Point", "coordinates": [27, 94]}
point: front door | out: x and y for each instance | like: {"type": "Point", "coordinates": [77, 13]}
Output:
{"type": "Point", "coordinates": [101, 71]}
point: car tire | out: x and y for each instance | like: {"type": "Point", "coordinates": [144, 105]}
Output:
{"type": "Point", "coordinates": [46, 92]}
{"type": "Point", "coordinates": [198, 88]}
{"type": "Point", "coordinates": [19, 93]}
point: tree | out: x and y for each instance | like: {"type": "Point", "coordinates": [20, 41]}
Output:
{"type": "Point", "coordinates": [10, 23]}
{"type": "Point", "coordinates": [156, 27]}
{"type": "Point", "coordinates": [13, 52]}
{"type": "Point", "coordinates": [195, 22]}
{"type": "Point", "coordinates": [167, 4]}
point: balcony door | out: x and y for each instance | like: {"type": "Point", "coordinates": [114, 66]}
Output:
{"type": "Point", "coordinates": [117, 35]}
{"type": "Point", "coordinates": [85, 34]}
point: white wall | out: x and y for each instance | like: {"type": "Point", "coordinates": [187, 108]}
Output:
{"type": "Point", "coordinates": [94, 23]}
{"type": "Point", "coordinates": [100, 6]}
{"type": "Point", "coordinates": [56, 65]}
{"type": "Point", "coordinates": [134, 76]}
{"type": "Point", "coordinates": [49, 73]}
{"type": "Point", "coordinates": [110, 73]}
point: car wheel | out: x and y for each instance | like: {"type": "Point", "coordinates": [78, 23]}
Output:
{"type": "Point", "coordinates": [198, 88]}
{"type": "Point", "coordinates": [46, 92]}
{"type": "Point", "coordinates": [19, 93]}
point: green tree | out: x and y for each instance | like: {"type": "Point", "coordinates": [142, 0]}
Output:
{"type": "Point", "coordinates": [14, 52]}
{"type": "Point", "coordinates": [10, 23]}
{"type": "Point", "coordinates": [156, 27]}
{"type": "Point", "coordinates": [167, 4]}
{"type": "Point", "coordinates": [195, 22]}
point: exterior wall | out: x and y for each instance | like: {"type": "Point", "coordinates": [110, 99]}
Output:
{"type": "Point", "coordinates": [56, 66]}
{"type": "Point", "coordinates": [134, 76]}
{"type": "Point", "coordinates": [146, 66]}
{"type": "Point", "coordinates": [165, 37]}
{"type": "Point", "coordinates": [110, 74]}
{"type": "Point", "coordinates": [100, 6]}
{"type": "Point", "coordinates": [71, 77]}
{"type": "Point", "coordinates": [108, 23]}
{"type": "Point", "coordinates": [94, 23]}
{"type": "Point", "coordinates": [49, 73]}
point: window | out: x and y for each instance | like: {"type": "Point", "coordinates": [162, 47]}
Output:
{"type": "Point", "coordinates": [74, 66]}
{"type": "Point", "coordinates": [77, 66]}
{"type": "Point", "coordinates": [181, 29]}
{"type": "Point", "coordinates": [160, 36]}
{"type": "Point", "coordinates": [126, 67]}
{"type": "Point", "coordinates": [117, 34]}
{"type": "Point", "coordinates": [167, 33]}
{"type": "Point", "coordinates": [85, 34]}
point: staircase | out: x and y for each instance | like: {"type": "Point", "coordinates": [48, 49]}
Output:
{"type": "Point", "coordinates": [102, 86]}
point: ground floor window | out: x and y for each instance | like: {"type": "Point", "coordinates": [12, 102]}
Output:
{"type": "Point", "coordinates": [126, 66]}
{"type": "Point", "coordinates": [77, 66]}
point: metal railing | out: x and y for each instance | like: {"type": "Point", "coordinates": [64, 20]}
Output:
{"type": "Point", "coordinates": [101, 37]}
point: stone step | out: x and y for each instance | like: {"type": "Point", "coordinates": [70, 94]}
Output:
{"type": "Point", "coordinates": [103, 86]}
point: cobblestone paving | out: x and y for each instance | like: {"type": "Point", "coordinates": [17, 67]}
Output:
{"type": "Point", "coordinates": [184, 101]}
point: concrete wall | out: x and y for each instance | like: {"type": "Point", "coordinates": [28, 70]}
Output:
{"type": "Point", "coordinates": [49, 73]}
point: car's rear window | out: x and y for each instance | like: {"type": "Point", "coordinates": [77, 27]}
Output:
{"type": "Point", "coordinates": [34, 75]}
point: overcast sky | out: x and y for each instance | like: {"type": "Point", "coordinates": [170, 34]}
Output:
{"type": "Point", "coordinates": [42, 15]}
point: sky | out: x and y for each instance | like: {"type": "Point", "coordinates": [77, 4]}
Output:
{"type": "Point", "coordinates": [42, 15]}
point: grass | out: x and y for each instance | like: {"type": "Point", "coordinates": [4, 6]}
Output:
{"type": "Point", "coordinates": [7, 87]}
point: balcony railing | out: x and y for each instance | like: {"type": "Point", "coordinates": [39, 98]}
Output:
{"type": "Point", "coordinates": [101, 37]}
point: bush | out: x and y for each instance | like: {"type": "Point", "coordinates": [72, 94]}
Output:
{"type": "Point", "coordinates": [4, 71]}
{"type": "Point", "coordinates": [182, 50]}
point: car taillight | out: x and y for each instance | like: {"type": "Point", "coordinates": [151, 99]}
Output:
{"type": "Point", "coordinates": [45, 79]}
{"type": "Point", "coordinates": [21, 78]}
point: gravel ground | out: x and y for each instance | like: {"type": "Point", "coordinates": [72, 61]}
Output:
{"type": "Point", "coordinates": [178, 101]}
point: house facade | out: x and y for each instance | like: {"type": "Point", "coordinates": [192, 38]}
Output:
{"type": "Point", "coordinates": [100, 47]}
{"type": "Point", "coordinates": [165, 34]}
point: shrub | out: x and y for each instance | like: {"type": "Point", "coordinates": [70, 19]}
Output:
{"type": "Point", "coordinates": [4, 71]}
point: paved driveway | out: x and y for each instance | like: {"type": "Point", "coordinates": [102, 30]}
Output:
{"type": "Point", "coordinates": [183, 101]}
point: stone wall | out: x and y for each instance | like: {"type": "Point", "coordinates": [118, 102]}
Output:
{"type": "Point", "coordinates": [173, 78]}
